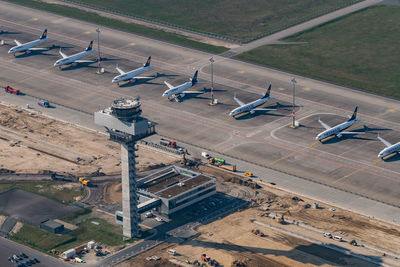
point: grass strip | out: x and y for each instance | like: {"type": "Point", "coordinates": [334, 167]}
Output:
{"type": "Point", "coordinates": [120, 25]}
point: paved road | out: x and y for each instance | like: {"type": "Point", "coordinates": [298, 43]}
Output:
{"type": "Point", "coordinates": [261, 142]}
{"type": "Point", "coordinates": [8, 248]}
{"type": "Point", "coordinates": [276, 37]}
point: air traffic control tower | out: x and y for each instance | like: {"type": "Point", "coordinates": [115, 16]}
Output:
{"type": "Point", "coordinates": [125, 125]}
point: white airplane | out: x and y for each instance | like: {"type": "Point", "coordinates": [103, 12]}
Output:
{"type": "Point", "coordinates": [131, 76]}
{"type": "Point", "coordinates": [338, 129]}
{"type": "Point", "coordinates": [30, 46]}
{"type": "Point", "coordinates": [390, 149]}
{"type": "Point", "coordinates": [75, 59]}
{"type": "Point", "coordinates": [180, 90]}
{"type": "Point", "coordinates": [252, 106]}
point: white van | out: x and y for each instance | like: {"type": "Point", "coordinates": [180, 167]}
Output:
{"type": "Point", "coordinates": [205, 155]}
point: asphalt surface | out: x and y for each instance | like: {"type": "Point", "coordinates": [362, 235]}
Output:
{"type": "Point", "coordinates": [349, 164]}
{"type": "Point", "coordinates": [9, 248]}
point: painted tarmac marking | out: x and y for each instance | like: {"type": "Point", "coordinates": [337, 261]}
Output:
{"type": "Point", "coordinates": [294, 152]}
{"type": "Point", "coordinates": [307, 89]}
{"type": "Point", "coordinates": [375, 163]}
{"type": "Point", "coordinates": [241, 71]}
{"type": "Point", "coordinates": [132, 44]}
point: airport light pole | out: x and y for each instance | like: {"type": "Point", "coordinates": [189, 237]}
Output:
{"type": "Point", "coordinates": [98, 52]}
{"type": "Point", "coordinates": [294, 116]}
{"type": "Point", "coordinates": [212, 80]}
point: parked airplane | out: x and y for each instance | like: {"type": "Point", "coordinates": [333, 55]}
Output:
{"type": "Point", "coordinates": [131, 76]}
{"type": "Point", "coordinates": [30, 46]}
{"type": "Point", "coordinates": [75, 59]}
{"type": "Point", "coordinates": [338, 129]}
{"type": "Point", "coordinates": [390, 149]}
{"type": "Point", "coordinates": [180, 90]}
{"type": "Point", "coordinates": [252, 106]}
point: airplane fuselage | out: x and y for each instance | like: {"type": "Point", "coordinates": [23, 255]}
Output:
{"type": "Point", "coordinates": [178, 89]}
{"type": "Point", "coordinates": [25, 47]}
{"type": "Point", "coordinates": [129, 75]}
{"type": "Point", "coordinates": [248, 107]}
{"type": "Point", "coordinates": [389, 150]}
{"type": "Point", "coordinates": [72, 59]}
{"type": "Point", "coordinates": [335, 130]}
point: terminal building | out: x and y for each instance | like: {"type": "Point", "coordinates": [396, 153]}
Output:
{"type": "Point", "coordinates": [172, 189]}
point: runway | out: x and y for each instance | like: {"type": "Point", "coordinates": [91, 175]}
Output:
{"type": "Point", "coordinates": [348, 163]}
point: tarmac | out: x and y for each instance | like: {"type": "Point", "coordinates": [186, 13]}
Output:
{"type": "Point", "coordinates": [265, 141]}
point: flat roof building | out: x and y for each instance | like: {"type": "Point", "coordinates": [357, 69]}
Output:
{"type": "Point", "coordinates": [176, 187]}
{"type": "Point", "coordinates": [52, 226]}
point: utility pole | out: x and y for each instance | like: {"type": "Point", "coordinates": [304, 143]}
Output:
{"type": "Point", "coordinates": [98, 52]}
{"type": "Point", "coordinates": [294, 115]}
{"type": "Point", "coordinates": [212, 81]}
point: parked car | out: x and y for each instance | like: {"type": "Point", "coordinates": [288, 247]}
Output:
{"type": "Point", "coordinates": [149, 214]}
{"type": "Point", "coordinates": [338, 238]}
{"type": "Point", "coordinates": [158, 219]}
{"type": "Point", "coordinates": [328, 235]}
{"type": "Point", "coordinates": [171, 251]}
{"type": "Point", "coordinates": [44, 103]}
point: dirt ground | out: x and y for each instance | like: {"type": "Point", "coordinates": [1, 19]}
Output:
{"type": "Point", "coordinates": [32, 143]}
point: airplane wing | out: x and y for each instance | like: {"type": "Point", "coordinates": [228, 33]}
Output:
{"type": "Point", "coordinates": [326, 126]}
{"type": "Point", "coordinates": [18, 43]}
{"type": "Point", "coordinates": [169, 85]}
{"type": "Point", "coordinates": [119, 70]}
{"type": "Point", "coordinates": [238, 101]}
{"type": "Point", "coordinates": [263, 109]}
{"type": "Point", "coordinates": [150, 77]}
{"type": "Point", "coordinates": [384, 141]}
{"type": "Point", "coordinates": [85, 61]}
{"type": "Point", "coordinates": [62, 54]}
{"type": "Point", "coordinates": [193, 92]}
{"type": "Point", "coordinates": [38, 49]}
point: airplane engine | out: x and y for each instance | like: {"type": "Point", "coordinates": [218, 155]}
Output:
{"type": "Point", "coordinates": [252, 111]}
{"type": "Point", "coordinates": [132, 80]}
{"type": "Point", "coordinates": [182, 95]}
{"type": "Point", "coordinates": [27, 52]}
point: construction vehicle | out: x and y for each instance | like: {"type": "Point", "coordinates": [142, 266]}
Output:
{"type": "Point", "coordinates": [84, 181]}
{"type": "Point", "coordinates": [166, 142]}
{"type": "Point", "coordinates": [221, 163]}
{"type": "Point", "coordinates": [11, 90]}
{"type": "Point", "coordinates": [238, 263]}
{"type": "Point", "coordinates": [249, 174]}
{"type": "Point", "coordinates": [205, 257]}
{"type": "Point", "coordinates": [282, 218]}
{"type": "Point", "coordinates": [257, 232]}
{"type": "Point", "coordinates": [43, 103]}
{"type": "Point", "coordinates": [353, 243]}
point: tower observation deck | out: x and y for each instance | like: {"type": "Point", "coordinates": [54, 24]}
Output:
{"type": "Point", "coordinates": [125, 126]}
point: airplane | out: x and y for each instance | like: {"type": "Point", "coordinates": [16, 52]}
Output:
{"type": "Point", "coordinates": [30, 46]}
{"type": "Point", "coordinates": [338, 129]}
{"type": "Point", "coordinates": [180, 90]}
{"type": "Point", "coordinates": [390, 149]}
{"type": "Point", "coordinates": [131, 76]}
{"type": "Point", "coordinates": [252, 106]}
{"type": "Point", "coordinates": [74, 59]}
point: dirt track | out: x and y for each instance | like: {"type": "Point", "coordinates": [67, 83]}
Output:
{"type": "Point", "coordinates": [31, 143]}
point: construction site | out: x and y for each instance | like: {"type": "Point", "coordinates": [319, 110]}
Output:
{"type": "Point", "coordinates": [266, 226]}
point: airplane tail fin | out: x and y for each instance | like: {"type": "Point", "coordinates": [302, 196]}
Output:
{"type": "Point", "coordinates": [268, 92]}
{"type": "Point", "coordinates": [147, 62]}
{"type": "Point", "coordinates": [90, 46]}
{"type": "Point", "coordinates": [354, 115]}
{"type": "Point", "coordinates": [194, 79]}
{"type": "Point", "coordinates": [44, 34]}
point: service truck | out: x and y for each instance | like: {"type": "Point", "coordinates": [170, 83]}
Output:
{"type": "Point", "coordinates": [11, 90]}
{"type": "Point", "coordinates": [166, 142]}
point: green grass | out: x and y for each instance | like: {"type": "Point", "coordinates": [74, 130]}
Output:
{"type": "Point", "coordinates": [53, 190]}
{"type": "Point", "coordinates": [127, 27]}
{"type": "Point", "coordinates": [360, 50]}
{"type": "Point", "coordinates": [44, 241]}
{"type": "Point", "coordinates": [236, 19]}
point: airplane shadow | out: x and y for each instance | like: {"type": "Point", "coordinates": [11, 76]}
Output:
{"type": "Point", "coordinates": [109, 59]}
{"type": "Point", "coordinates": [166, 75]}
{"type": "Point", "coordinates": [208, 90]}
{"type": "Point", "coordinates": [79, 66]}
{"type": "Point", "coordinates": [259, 113]}
{"type": "Point", "coordinates": [7, 32]}
{"type": "Point", "coordinates": [42, 52]}
{"type": "Point", "coordinates": [376, 130]}
{"type": "Point", "coordinates": [137, 82]}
